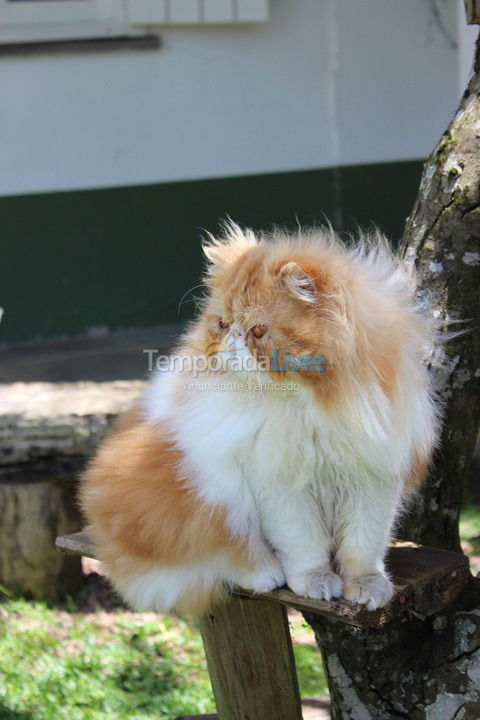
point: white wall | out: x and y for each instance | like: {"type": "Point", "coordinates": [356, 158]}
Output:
{"type": "Point", "coordinates": [322, 82]}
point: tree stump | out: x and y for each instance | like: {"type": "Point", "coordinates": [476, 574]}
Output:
{"type": "Point", "coordinates": [47, 433]}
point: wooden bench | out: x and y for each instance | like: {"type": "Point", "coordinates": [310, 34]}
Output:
{"type": "Point", "coordinates": [247, 640]}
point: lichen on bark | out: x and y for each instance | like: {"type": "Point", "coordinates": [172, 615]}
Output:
{"type": "Point", "coordinates": [416, 669]}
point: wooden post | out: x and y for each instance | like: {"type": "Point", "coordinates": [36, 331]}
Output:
{"type": "Point", "coordinates": [250, 661]}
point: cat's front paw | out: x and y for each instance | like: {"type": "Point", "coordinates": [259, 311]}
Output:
{"type": "Point", "coordinates": [322, 584]}
{"type": "Point", "coordinates": [266, 580]}
{"type": "Point", "coordinates": [263, 579]}
{"type": "Point", "coordinates": [373, 590]}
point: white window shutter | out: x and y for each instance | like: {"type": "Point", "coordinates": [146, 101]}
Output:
{"type": "Point", "coordinates": [218, 11]}
{"type": "Point", "coordinates": [195, 12]}
{"type": "Point", "coordinates": [183, 11]}
{"type": "Point", "coordinates": [252, 10]}
{"type": "Point", "coordinates": [145, 12]}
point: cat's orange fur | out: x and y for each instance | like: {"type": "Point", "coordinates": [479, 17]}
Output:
{"type": "Point", "coordinates": [252, 280]}
{"type": "Point", "coordinates": [143, 512]}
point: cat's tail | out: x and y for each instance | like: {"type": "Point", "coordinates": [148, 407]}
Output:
{"type": "Point", "coordinates": [189, 589]}
{"type": "Point", "coordinates": [163, 590]}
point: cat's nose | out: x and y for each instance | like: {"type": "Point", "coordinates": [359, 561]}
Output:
{"type": "Point", "coordinates": [236, 331]}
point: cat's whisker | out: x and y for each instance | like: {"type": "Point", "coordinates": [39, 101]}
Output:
{"type": "Point", "coordinates": [195, 287]}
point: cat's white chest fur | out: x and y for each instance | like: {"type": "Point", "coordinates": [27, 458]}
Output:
{"type": "Point", "coordinates": [261, 453]}
{"type": "Point", "coordinates": [307, 484]}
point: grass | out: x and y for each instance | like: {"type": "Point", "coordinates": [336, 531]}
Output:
{"type": "Point", "coordinates": [57, 662]}
{"type": "Point", "coordinates": [470, 522]}
{"type": "Point", "coordinates": [470, 534]}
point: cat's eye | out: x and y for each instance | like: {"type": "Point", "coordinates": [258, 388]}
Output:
{"type": "Point", "coordinates": [223, 325]}
{"type": "Point", "coordinates": [259, 330]}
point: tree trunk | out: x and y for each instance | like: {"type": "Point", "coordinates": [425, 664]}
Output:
{"type": "Point", "coordinates": [429, 669]}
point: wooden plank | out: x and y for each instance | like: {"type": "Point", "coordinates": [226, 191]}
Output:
{"type": "Point", "coordinates": [426, 580]}
{"type": "Point", "coordinates": [250, 660]}
{"type": "Point", "coordinates": [76, 544]}
{"type": "Point", "coordinates": [472, 8]}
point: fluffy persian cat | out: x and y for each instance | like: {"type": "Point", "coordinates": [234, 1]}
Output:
{"type": "Point", "coordinates": [279, 446]}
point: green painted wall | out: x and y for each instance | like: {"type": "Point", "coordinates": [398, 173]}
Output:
{"type": "Point", "coordinates": [124, 257]}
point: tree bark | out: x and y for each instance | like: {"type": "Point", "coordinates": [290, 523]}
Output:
{"type": "Point", "coordinates": [429, 669]}
{"type": "Point", "coordinates": [33, 515]}
{"type": "Point", "coordinates": [442, 239]}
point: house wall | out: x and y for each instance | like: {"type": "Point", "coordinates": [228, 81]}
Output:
{"type": "Point", "coordinates": [112, 164]}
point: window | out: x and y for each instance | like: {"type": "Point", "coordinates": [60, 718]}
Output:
{"type": "Point", "coordinates": [50, 20]}
{"type": "Point", "coordinates": [37, 20]}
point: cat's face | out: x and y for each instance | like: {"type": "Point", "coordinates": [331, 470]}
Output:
{"type": "Point", "coordinates": [281, 304]}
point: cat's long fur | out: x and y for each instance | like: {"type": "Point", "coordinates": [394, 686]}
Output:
{"type": "Point", "coordinates": [213, 482]}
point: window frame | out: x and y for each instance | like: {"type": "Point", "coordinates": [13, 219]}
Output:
{"type": "Point", "coordinates": [35, 21]}
{"type": "Point", "coordinates": [50, 20]}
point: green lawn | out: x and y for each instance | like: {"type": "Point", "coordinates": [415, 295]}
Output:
{"type": "Point", "coordinates": [57, 662]}
{"type": "Point", "coordinates": [470, 534]}
{"type": "Point", "coordinates": [63, 664]}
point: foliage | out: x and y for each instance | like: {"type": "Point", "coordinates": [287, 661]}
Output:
{"type": "Point", "coordinates": [60, 664]}
{"type": "Point", "coordinates": [470, 534]}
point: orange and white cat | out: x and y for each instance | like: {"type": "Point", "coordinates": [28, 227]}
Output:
{"type": "Point", "coordinates": [281, 446]}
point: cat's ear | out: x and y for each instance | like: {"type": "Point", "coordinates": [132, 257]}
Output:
{"type": "Point", "coordinates": [221, 252]}
{"type": "Point", "coordinates": [298, 282]}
